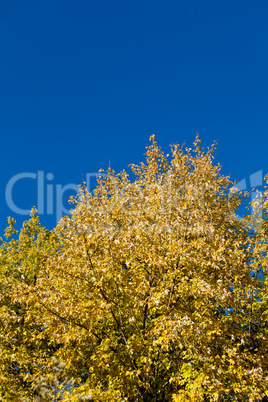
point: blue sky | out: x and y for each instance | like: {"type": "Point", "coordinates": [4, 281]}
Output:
{"type": "Point", "coordinates": [86, 82]}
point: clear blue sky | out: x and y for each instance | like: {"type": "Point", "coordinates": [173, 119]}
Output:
{"type": "Point", "coordinates": [83, 82]}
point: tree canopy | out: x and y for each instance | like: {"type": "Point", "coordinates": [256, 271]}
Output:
{"type": "Point", "coordinates": [152, 290]}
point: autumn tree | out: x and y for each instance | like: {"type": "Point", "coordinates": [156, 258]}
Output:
{"type": "Point", "coordinates": [152, 290]}
{"type": "Point", "coordinates": [24, 347]}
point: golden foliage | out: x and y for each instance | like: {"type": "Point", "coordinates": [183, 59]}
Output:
{"type": "Point", "coordinates": [150, 291]}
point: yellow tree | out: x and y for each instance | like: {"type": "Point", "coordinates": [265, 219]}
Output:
{"type": "Point", "coordinates": [150, 291]}
{"type": "Point", "coordinates": [24, 346]}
